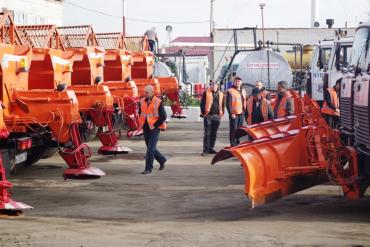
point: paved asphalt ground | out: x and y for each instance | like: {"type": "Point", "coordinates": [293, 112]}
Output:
{"type": "Point", "coordinates": [190, 203]}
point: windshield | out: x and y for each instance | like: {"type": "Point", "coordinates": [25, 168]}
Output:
{"type": "Point", "coordinates": [361, 57]}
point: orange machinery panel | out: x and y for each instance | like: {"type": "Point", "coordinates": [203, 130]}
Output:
{"type": "Point", "coordinates": [118, 60]}
{"type": "Point", "coordinates": [142, 57]}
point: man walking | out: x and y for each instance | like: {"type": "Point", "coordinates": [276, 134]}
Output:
{"type": "Point", "coordinates": [212, 109]}
{"type": "Point", "coordinates": [283, 105]}
{"type": "Point", "coordinates": [235, 104]}
{"type": "Point", "coordinates": [258, 108]}
{"type": "Point", "coordinates": [152, 119]}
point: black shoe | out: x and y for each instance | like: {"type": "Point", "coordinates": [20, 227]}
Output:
{"type": "Point", "coordinates": [212, 151]}
{"type": "Point", "coordinates": [161, 165]}
{"type": "Point", "coordinates": [146, 172]}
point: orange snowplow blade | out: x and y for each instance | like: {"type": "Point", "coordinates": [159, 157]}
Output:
{"type": "Point", "coordinates": [283, 164]}
{"type": "Point", "coordinates": [307, 111]}
{"type": "Point", "coordinates": [269, 128]}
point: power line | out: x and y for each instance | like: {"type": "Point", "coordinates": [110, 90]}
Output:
{"type": "Point", "coordinates": [134, 19]}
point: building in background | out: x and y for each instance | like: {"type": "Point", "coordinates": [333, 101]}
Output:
{"type": "Point", "coordinates": [32, 12]}
{"type": "Point", "coordinates": [197, 57]}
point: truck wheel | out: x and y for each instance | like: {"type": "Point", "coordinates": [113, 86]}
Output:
{"type": "Point", "coordinates": [34, 155]}
{"type": "Point", "coordinates": [8, 164]}
{"type": "Point", "coordinates": [48, 152]}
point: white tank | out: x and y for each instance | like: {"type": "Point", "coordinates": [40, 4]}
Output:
{"type": "Point", "coordinates": [162, 70]}
{"type": "Point", "coordinates": [254, 68]}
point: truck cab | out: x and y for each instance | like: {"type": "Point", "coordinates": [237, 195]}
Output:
{"type": "Point", "coordinates": [339, 60]}
{"type": "Point", "coordinates": [318, 66]}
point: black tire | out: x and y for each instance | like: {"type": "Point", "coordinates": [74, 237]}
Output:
{"type": "Point", "coordinates": [48, 152]}
{"type": "Point", "coordinates": [34, 155]}
{"type": "Point", "coordinates": [7, 163]}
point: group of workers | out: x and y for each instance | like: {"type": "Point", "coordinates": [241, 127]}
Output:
{"type": "Point", "coordinates": [255, 108]}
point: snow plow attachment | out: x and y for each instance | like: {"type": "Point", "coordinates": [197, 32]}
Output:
{"type": "Point", "coordinates": [282, 164]}
{"type": "Point", "coordinates": [307, 112]}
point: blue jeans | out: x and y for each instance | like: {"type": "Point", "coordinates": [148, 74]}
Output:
{"type": "Point", "coordinates": [151, 139]}
{"type": "Point", "coordinates": [152, 45]}
{"type": "Point", "coordinates": [234, 125]}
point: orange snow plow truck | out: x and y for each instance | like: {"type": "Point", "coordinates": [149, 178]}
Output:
{"type": "Point", "coordinates": [34, 117]}
{"type": "Point", "coordinates": [289, 155]}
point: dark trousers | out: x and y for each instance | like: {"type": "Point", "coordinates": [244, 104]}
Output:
{"type": "Point", "coordinates": [333, 121]}
{"type": "Point", "coordinates": [234, 125]}
{"type": "Point", "coordinates": [152, 44]}
{"type": "Point", "coordinates": [211, 124]}
{"type": "Point", "coordinates": [151, 140]}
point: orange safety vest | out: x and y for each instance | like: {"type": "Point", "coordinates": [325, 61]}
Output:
{"type": "Point", "coordinates": [150, 112]}
{"type": "Point", "coordinates": [264, 109]}
{"type": "Point", "coordinates": [282, 112]}
{"type": "Point", "coordinates": [334, 99]}
{"type": "Point", "coordinates": [209, 101]}
{"type": "Point", "coordinates": [237, 101]}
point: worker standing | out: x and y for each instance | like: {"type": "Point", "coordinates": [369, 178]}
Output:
{"type": "Point", "coordinates": [152, 37]}
{"type": "Point", "coordinates": [152, 119]}
{"type": "Point", "coordinates": [259, 85]}
{"type": "Point", "coordinates": [258, 108]}
{"type": "Point", "coordinates": [283, 105]}
{"type": "Point", "coordinates": [330, 109]}
{"type": "Point", "coordinates": [212, 109]}
{"type": "Point", "coordinates": [235, 104]}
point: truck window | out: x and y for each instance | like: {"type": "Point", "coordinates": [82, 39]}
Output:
{"type": "Point", "coordinates": [324, 55]}
{"type": "Point", "coordinates": [343, 56]}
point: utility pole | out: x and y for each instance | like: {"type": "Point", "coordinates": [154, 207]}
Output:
{"type": "Point", "coordinates": [123, 18]}
{"type": "Point", "coordinates": [211, 21]}
{"type": "Point", "coordinates": [262, 5]}
{"type": "Point", "coordinates": [211, 32]}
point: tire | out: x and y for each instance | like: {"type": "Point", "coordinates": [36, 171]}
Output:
{"type": "Point", "coordinates": [7, 163]}
{"type": "Point", "coordinates": [34, 155]}
{"type": "Point", "coordinates": [48, 152]}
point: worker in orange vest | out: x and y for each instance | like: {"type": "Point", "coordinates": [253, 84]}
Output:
{"type": "Point", "coordinates": [330, 108]}
{"type": "Point", "coordinates": [283, 105]}
{"type": "Point", "coordinates": [258, 108]}
{"type": "Point", "coordinates": [212, 110]}
{"type": "Point", "coordinates": [152, 119]}
{"type": "Point", "coordinates": [235, 103]}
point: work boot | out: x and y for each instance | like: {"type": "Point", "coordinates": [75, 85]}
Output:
{"type": "Point", "coordinates": [146, 172]}
{"type": "Point", "coordinates": [161, 165]}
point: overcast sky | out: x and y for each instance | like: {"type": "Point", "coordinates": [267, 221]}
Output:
{"type": "Point", "coordinates": [144, 14]}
